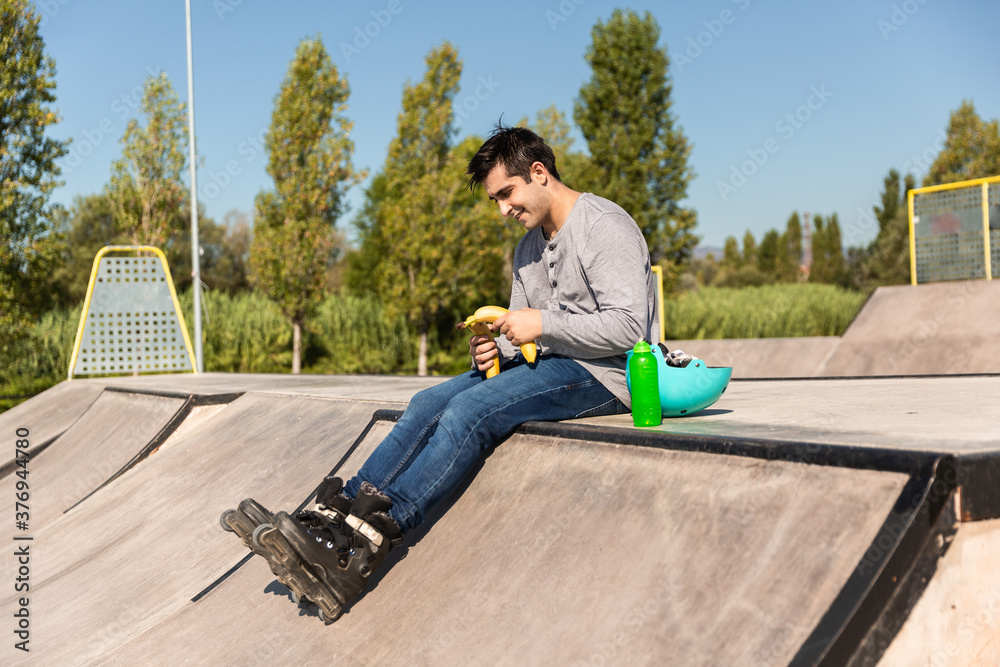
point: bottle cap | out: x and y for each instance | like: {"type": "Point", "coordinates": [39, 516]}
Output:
{"type": "Point", "coordinates": [641, 347]}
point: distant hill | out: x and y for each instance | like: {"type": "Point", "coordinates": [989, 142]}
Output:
{"type": "Point", "coordinates": [703, 251]}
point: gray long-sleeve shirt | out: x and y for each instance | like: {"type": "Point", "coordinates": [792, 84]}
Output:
{"type": "Point", "coordinates": [593, 283]}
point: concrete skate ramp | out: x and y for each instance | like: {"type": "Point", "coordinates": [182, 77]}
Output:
{"type": "Point", "coordinates": [938, 328]}
{"type": "Point", "coordinates": [934, 329]}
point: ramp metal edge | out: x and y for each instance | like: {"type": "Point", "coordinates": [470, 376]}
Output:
{"type": "Point", "coordinates": [881, 591]}
{"type": "Point", "coordinates": [208, 398]}
{"type": "Point", "coordinates": [977, 475]}
{"type": "Point", "coordinates": [909, 592]}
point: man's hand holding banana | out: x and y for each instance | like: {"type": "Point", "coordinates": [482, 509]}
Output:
{"type": "Point", "coordinates": [521, 327]}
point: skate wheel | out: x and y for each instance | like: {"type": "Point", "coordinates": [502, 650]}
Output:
{"type": "Point", "coordinates": [222, 521]}
{"type": "Point", "coordinates": [327, 619]}
{"type": "Point", "coordinates": [255, 538]}
{"type": "Point", "coordinates": [295, 597]}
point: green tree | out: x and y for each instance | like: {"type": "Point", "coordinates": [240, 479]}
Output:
{"type": "Point", "coordinates": [827, 252]}
{"type": "Point", "coordinates": [891, 198]}
{"type": "Point", "coordinates": [972, 149]}
{"type": "Point", "coordinates": [87, 227]}
{"type": "Point", "coordinates": [309, 160]}
{"type": "Point", "coordinates": [790, 250]}
{"type": "Point", "coordinates": [363, 261]}
{"type": "Point", "coordinates": [224, 257]}
{"type": "Point", "coordinates": [440, 246]}
{"type": "Point", "coordinates": [749, 249]}
{"type": "Point", "coordinates": [640, 154]}
{"type": "Point", "coordinates": [887, 259]}
{"type": "Point", "coordinates": [146, 191]}
{"type": "Point", "coordinates": [740, 269]}
{"type": "Point", "coordinates": [28, 172]}
{"type": "Point", "coordinates": [767, 253]}
{"type": "Point", "coordinates": [731, 258]}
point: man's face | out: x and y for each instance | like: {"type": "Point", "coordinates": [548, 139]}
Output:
{"type": "Point", "coordinates": [528, 203]}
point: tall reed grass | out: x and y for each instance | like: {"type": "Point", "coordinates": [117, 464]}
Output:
{"type": "Point", "coordinates": [769, 311]}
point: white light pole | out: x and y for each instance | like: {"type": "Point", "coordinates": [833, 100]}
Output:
{"type": "Point", "coordinates": [195, 247]}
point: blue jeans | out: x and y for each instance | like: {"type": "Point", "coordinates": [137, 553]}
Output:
{"type": "Point", "coordinates": [446, 428]}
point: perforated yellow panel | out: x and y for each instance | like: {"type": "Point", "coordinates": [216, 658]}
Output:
{"type": "Point", "coordinates": [131, 325]}
{"type": "Point", "coordinates": [948, 234]}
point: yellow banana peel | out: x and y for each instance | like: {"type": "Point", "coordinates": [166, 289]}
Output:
{"type": "Point", "coordinates": [477, 324]}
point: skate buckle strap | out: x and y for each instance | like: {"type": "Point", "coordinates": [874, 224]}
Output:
{"type": "Point", "coordinates": [367, 530]}
{"type": "Point", "coordinates": [334, 517]}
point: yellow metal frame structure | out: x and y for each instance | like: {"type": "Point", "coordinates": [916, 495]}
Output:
{"type": "Point", "coordinates": [984, 184]}
{"type": "Point", "coordinates": [659, 297]}
{"type": "Point", "coordinates": [90, 292]}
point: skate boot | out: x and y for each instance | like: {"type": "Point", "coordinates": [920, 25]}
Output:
{"type": "Point", "coordinates": [325, 561]}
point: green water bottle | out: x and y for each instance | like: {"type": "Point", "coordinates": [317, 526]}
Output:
{"type": "Point", "coordinates": [645, 386]}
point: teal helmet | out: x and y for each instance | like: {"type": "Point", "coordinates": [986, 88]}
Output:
{"type": "Point", "coordinates": [684, 391]}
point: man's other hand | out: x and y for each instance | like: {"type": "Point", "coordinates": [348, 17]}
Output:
{"type": "Point", "coordinates": [519, 326]}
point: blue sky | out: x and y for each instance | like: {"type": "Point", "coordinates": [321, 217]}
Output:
{"type": "Point", "coordinates": [789, 105]}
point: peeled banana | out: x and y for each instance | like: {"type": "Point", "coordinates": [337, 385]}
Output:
{"type": "Point", "coordinates": [477, 324]}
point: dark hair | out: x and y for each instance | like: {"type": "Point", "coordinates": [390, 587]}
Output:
{"type": "Point", "coordinates": [516, 148]}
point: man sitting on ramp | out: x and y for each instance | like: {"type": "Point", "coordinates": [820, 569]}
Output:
{"type": "Point", "coordinates": [583, 290]}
